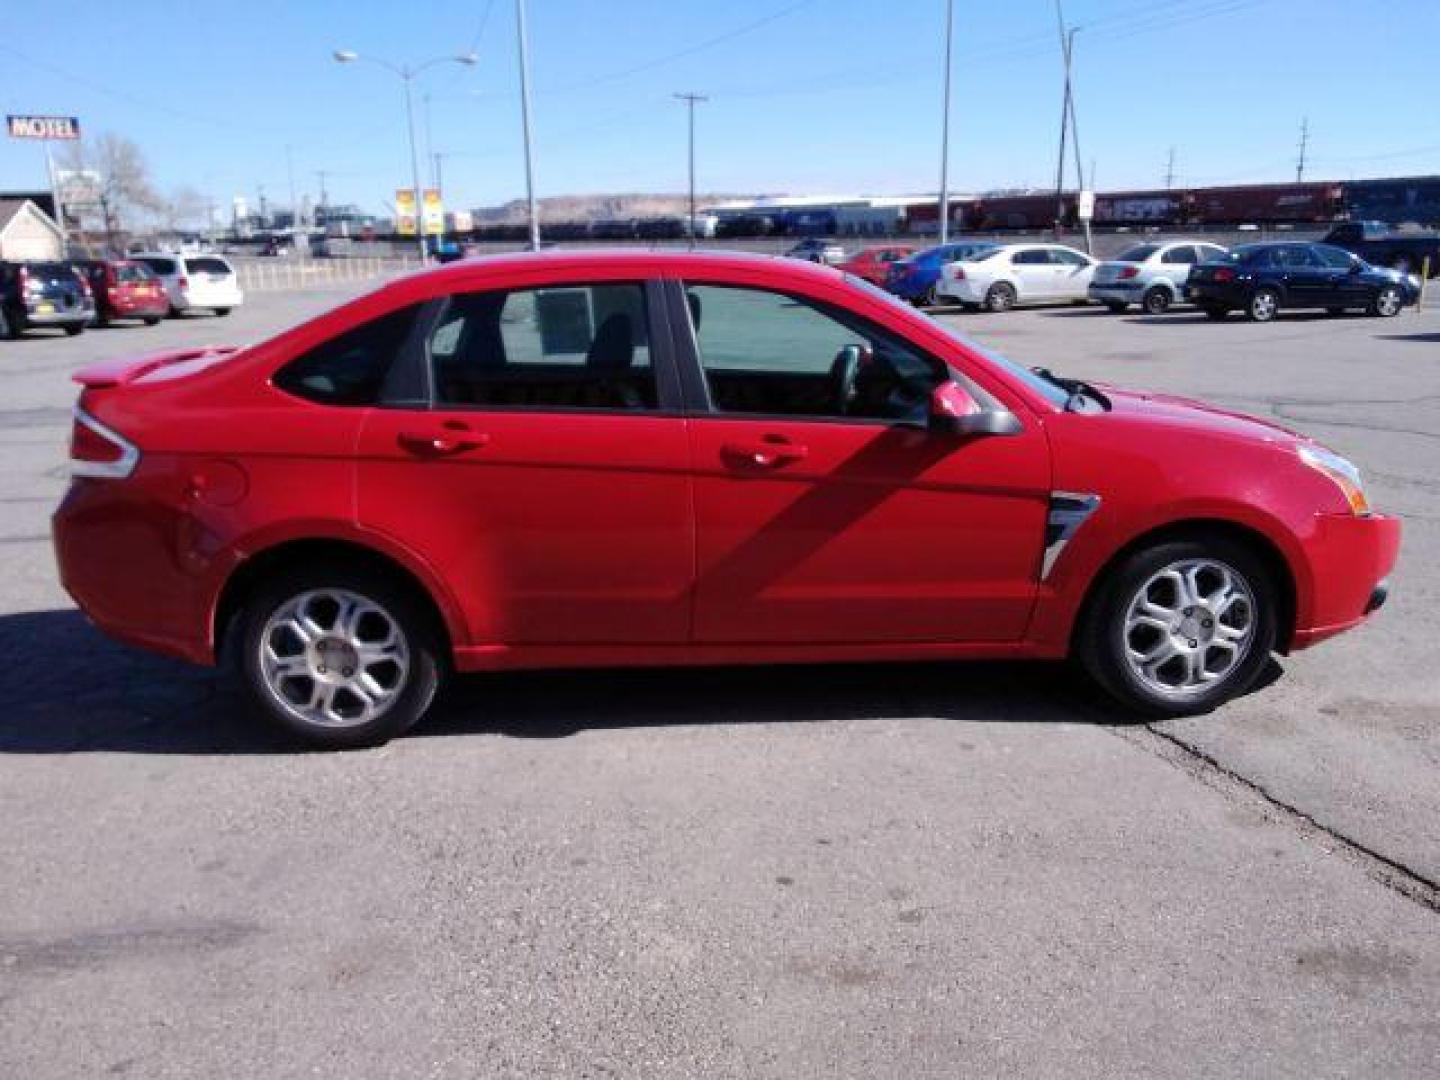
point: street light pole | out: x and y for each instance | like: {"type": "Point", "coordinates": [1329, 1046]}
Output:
{"type": "Point", "coordinates": [525, 121]}
{"type": "Point", "coordinates": [407, 74]}
{"type": "Point", "coordinates": [945, 128]}
{"type": "Point", "coordinates": [690, 100]}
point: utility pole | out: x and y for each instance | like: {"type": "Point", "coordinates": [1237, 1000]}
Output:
{"type": "Point", "coordinates": [294, 203]}
{"type": "Point", "coordinates": [436, 170]}
{"type": "Point", "coordinates": [691, 99]}
{"type": "Point", "coordinates": [1170, 170]}
{"type": "Point", "coordinates": [945, 126]}
{"type": "Point", "coordinates": [321, 174]}
{"type": "Point", "coordinates": [525, 120]}
{"type": "Point", "coordinates": [1064, 120]}
{"type": "Point", "coordinates": [1304, 142]}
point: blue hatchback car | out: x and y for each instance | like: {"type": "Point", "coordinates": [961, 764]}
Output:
{"type": "Point", "coordinates": [914, 278]}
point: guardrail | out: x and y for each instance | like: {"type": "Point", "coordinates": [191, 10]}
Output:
{"type": "Point", "coordinates": [286, 273]}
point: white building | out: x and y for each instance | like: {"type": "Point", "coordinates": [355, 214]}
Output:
{"type": "Point", "coordinates": [28, 234]}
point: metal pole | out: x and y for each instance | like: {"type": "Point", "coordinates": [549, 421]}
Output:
{"type": "Point", "coordinates": [525, 120]}
{"type": "Point", "coordinates": [1064, 124]}
{"type": "Point", "coordinates": [945, 127]}
{"type": "Point", "coordinates": [1075, 126]}
{"type": "Point", "coordinates": [58, 206]}
{"type": "Point", "coordinates": [405, 76]}
{"type": "Point", "coordinates": [690, 100]}
{"type": "Point", "coordinates": [429, 144]}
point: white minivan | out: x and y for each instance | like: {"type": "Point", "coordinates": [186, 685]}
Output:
{"type": "Point", "coordinates": [194, 281]}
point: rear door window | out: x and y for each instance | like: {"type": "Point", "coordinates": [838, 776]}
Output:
{"type": "Point", "coordinates": [563, 347]}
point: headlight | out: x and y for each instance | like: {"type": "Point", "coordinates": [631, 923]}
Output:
{"type": "Point", "coordinates": [1345, 475]}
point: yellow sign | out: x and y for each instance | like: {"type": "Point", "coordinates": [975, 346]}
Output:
{"type": "Point", "coordinates": [405, 211]}
{"type": "Point", "coordinates": [434, 213]}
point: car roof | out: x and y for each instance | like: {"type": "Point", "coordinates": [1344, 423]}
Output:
{"type": "Point", "coordinates": [633, 260]}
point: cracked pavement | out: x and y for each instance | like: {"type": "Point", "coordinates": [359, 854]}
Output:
{"type": "Point", "coordinates": [917, 870]}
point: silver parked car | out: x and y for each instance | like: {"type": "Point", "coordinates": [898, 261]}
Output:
{"type": "Point", "coordinates": [1152, 275]}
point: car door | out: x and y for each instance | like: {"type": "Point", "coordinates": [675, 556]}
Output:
{"type": "Point", "coordinates": [827, 515]}
{"type": "Point", "coordinates": [1345, 277]}
{"type": "Point", "coordinates": [1035, 273]}
{"type": "Point", "coordinates": [1304, 277]}
{"type": "Point", "coordinates": [545, 467]}
{"type": "Point", "coordinates": [1073, 272]}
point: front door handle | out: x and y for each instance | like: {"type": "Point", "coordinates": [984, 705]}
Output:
{"type": "Point", "coordinates": [770, 452]}
{"type": "Point", "coordinates": [447, 441]}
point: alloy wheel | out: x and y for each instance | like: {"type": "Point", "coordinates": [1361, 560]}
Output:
{"type": "Point", "coordinates": [1388, 302]}
{"type": "Point", "coordinates": [333, 658]}
{"type": "Point", "coordinates": [1189, 627]}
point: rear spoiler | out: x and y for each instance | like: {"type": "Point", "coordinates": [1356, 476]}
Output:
{"type": "Point", "coordinates": [125, 370]}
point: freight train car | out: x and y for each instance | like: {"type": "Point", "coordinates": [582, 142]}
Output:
{"type": "Point", "coordinates": [1413, 200]}
{"type": "Point", "coordinates": [1268, 204]}
{"type": "Point", "coordinates": [1023, 212]}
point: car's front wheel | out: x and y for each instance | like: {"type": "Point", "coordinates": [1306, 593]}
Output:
{"type": "Point", "coordinates": [1264, 305]}
{"type": "Point", "coordinates": [340, 658]}
{"type": "Point", "coordinates": [1388, 301]}
{"type": "Point", "coordinates": [1181, 627]}
{"type": "Point", "coordinates": [1000, 297]}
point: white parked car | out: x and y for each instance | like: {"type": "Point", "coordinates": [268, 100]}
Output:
{"type": "Point", "coordinates": [1152, 275]}
{"type": "Point", "coordinates": [1018, 274]}
{"type": "Point", "coordinates": [195, 281]}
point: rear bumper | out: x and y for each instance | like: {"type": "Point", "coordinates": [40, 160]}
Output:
{"type": "Point", "coordinates": [1213, 294]}
{"type": "Point", "coordinates": [134, 307]}
{"type": "Point", "coordinates": [76, 316]}
{"type": "Point", "coordinates": [1350, 562]}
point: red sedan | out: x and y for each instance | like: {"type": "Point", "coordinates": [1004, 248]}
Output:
{"type": "Point", "coordinates": [874, 263]}
{"type": "Point", "coordinates": [572, 459]}
{"type": "Point", "coordinates": [124, 290]}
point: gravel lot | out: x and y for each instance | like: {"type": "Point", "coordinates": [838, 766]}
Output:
{"type": "Point", "coordinates": [917, 871]}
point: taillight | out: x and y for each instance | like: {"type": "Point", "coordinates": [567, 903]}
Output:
{"type": "Point", "coordinates": [85, 287]}
{"type": "Point", "coordinates": [98, 451]}
{"type": "Point", "coordinates": [1225, 273]}
{"type": "Point", "coordinates": [184, 283]}
{"type": "Point", "coordinates": [1128, 272]}
{"type": "Point", "coordinates": [27, 283]}
{"type": "Point", "coordinates": [957, 273]}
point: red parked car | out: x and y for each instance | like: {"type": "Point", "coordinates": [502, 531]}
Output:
{"type": "Point", "coordinates": [873, 263]}
{"type": "Point", "coordinates": [590, 459]}
{"type": "Point", "coordinates": [124, 290]}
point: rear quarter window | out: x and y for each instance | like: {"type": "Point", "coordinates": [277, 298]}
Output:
{"type": "Point", "coordinates": [160, 266]}
{"type": "Point", "coordinates": [207, 266]}
{"type": "Point", "coordinates": [350, 368]}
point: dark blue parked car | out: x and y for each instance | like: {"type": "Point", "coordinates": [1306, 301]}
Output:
{"type": "Point", "coordinates": [1261, 279]}
{"type": "Point", "coordinates": [914, 278]}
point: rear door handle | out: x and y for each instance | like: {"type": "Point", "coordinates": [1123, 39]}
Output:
{"type": "Point", "coordinates": [447, 441]}
{"type": "Point", "coordinates": [770, 452]}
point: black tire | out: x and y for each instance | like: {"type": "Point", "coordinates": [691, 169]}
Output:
{"type": "Point", "coordinates": [1389, 301]}
{"type": "Point", "coordinates": [413, 691]}
{"type": "Point", "coordinates": [174, 312]}
{"type": "Point", "coordinates": [1263, 305]}
{"type": "Point", "coordinates": [152, 320]}
{"type": "Point", "coordinates": [1116, 307]}
{"type": "Point", "coordinates": [9, 331]}
{"type": "Point", "coordinates": [1157, 300]}
{"type": "Point", "coordinates": [1000, 297]}
{"type": "Point", "coordinates": [1215, 312]}
{"type": "Point", "coordinates": [1101, 644]}
{"type": "Point", "coordinates": [930, 298]}
{"type": "Point", "coordinates": [74, 329]}
{"type": "Point", "coordinates": [222, 311]}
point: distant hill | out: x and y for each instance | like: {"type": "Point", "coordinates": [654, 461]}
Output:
{"type": "Point", "coordinates": [598, 207]}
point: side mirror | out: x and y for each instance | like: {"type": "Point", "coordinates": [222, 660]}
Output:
{"type": "Point", "coordinates": [953, 410]}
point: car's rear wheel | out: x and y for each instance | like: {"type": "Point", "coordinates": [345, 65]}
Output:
{"type": "Point", "coordinates": [1264, 305]}
{"type": "Point", "coordinates": [340, 658]}
{"type": "Point", "coordinates": [152, 320]}
{"type": "Point", "coordinates": [1000, 297]}
{"type": "Point", "coordinates": [1181, 627]}
{"type": "Point", "coordinates": [1388, 301]}
{"type": "Point", "coordinates": [74, 329]}
{"type": "Point", "coordinates": [1117, 307]}
{"type": "Point", "coordinates": [1156, 300]}
{"type": "Point", "coordinates": [222, 311]}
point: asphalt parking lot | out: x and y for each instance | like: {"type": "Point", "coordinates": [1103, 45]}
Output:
{"type": "Point", "coordinates": [918, 871]}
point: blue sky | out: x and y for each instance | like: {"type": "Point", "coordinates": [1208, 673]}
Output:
{"type": "Point", "coordinates": [820, 96]}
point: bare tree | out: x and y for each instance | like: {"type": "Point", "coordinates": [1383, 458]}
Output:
{"type": "Point", "coordinates": [183, 207]}
{"type": "Point", "coordinates": [126, 189]}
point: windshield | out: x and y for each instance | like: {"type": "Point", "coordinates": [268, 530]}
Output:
{"type": "Point", "coordinates": [1056, 395]}
{"type": "Point", "coordinates": [1138, 253]}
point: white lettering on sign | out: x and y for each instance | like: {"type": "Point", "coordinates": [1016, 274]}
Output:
{"type": "Point", "coordinates": [44, 127]}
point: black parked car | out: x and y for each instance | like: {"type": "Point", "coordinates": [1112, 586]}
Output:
{"type": "Point", "coordinates": [1261, 279]}
{"type": "Point", "coordinates": [43, 294]}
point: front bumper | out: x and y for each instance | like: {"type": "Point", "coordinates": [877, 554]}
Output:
{"type": "Point", "coordinates": [1349, 560]}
